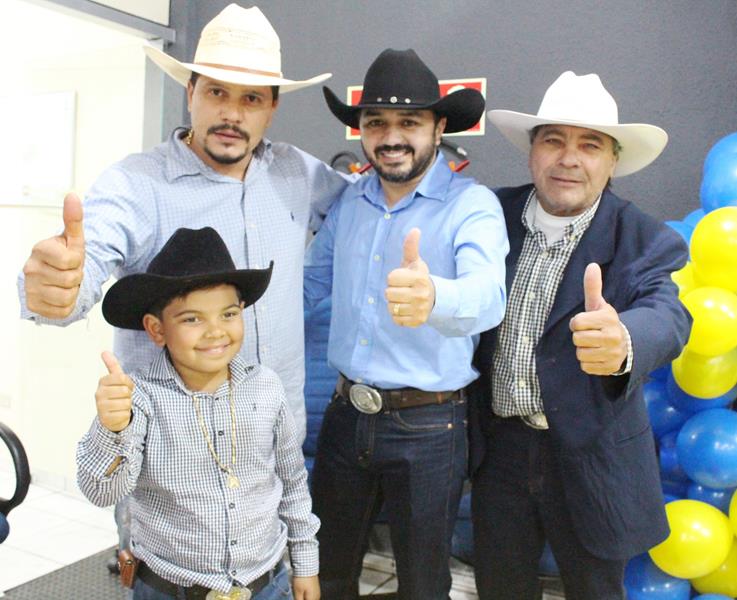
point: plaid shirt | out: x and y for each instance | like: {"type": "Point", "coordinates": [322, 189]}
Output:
{"type": "Point", "coordinates": [187, 524]}
{"type": "Point", "coordinates": [540, 268]}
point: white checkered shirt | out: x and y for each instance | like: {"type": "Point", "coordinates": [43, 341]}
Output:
{"type": "Point", "coordinates": [187, 524]}
{"type": "Point", "coordinates": [137, 204]}
{"type": "Point", "coordinates": [540, 268]}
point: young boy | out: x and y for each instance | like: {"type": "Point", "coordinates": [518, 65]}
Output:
{"type": "Point", "coordinates": [204, 443]}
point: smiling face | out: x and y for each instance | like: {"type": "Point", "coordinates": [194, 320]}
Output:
{"type": "Point", "coordinates": [203, 331]}
{"type": "Point", "coordinates": [400, 145]}
{"type": "Point", "coordinates": [570, 167]}
{"type": "Point", "coordinates": [228, 122]}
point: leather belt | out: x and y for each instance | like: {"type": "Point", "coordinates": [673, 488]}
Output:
{"type": "Point", "coordinates": [360, 396]}
{"type": "Point", "coordinates": [198, 592]}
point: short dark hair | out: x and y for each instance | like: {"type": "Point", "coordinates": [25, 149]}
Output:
{"type": "Point", "coordinates": [274, 88]}
{"type": "Point", "coordinates": [158, 307]}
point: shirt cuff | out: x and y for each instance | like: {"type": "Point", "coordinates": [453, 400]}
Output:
{"type": "Point", "coordinates": [446, 300]}
{"type": "Point", "coordinates": [627, 367]}
{"type": "Point", "coordinates": [109, 446]}
{"type": "Point", "coordinates": [305, 558]}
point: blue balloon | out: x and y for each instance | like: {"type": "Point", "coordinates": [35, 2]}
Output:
{"type": "Point", "coordinates": [691, 404]}
{"type": "Point", "coordinates": [707, 448]}
{"type": "Point", "coordinates": [671, 498]}
{"type": "Point", "coordinates": [670, 468]}
{"type": "Point", "coordinates": [718, 498]}
{"type": "Point", "coordinates": [694, 217]}
{"type": "Point", "coordinates": [674, 490]}
{"type": "Point", "coordinates": [643, 580]}
{"type": "Point", "coordinates": [661, 373]}
{"type": "Point", "coordinates": [664, 417]}
{"type": "Point", "coordinates": [719, 181]}
{"type": "Point", "coordinates": [682, 229]}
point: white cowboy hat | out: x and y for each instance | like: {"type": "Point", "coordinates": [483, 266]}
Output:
{"type": "Point", "coordinates": [582, 101]}
{"type": "Point", "coordinates": [238, 46]}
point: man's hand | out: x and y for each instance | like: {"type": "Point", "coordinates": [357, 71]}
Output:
{"type": "Point", "coordinates": [306, 588]}
{"type": "Point", "coordinates": [53, 273]}
{"type": "Point", "coordinates": [113, 396]}
{"type": "Point", "coordinates": [601, 344]}
{"type": "Point", "coordinates": [410, 293]}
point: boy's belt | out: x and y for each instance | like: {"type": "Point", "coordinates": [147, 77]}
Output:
{"type": "Point", "coordinates": [198, 592]}
{"type": "Point", "coordinates": [371, 400]}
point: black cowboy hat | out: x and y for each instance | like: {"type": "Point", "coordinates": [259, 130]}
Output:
{"type": "Point", "coordinates": [191, 257]}
{"type": "Point", "coordinates": [399, 79]}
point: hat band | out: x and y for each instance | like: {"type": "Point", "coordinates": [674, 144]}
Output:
{"type": "Point", "coordinates": [240, 69]}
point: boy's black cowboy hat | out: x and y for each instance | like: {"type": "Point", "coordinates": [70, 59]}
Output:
{"type": "Point", "coordinates": [399, 79]}
{"type": "Point", "coordinates": [191, 257]}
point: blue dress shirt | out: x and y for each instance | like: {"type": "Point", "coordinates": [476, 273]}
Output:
{"type": "Point", "coordinates": [464, 243]}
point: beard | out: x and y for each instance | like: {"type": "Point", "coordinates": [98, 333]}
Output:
{"type": "Point", "coordinates": [227, 159]}
{"type": "Point", "coordinates": [421, 160]}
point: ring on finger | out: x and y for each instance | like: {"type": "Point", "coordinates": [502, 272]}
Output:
{"type": "Point", "coordinates": [395, 310]}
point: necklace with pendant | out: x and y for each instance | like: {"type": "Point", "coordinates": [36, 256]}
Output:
{"type": "Point", "coordinates": [229, 470]}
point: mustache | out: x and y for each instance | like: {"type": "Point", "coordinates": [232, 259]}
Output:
{"type": "Point", "coordinates": [396, 148]}
{"type": "Point", "coordinates": [234, 128]}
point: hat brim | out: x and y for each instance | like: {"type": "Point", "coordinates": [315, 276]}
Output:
{"type": "Point", "coordinates": [131, 297]}
{"type": "Point", "coordinates": [462, 109]}
{"type": "Point", "coordinates": [181, 72]}
{"type": "Point", "coordinates": [641, 143]}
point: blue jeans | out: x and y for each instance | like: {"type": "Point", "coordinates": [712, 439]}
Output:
{"type": "Point", "coordinates": [413, 461]}
{"type": "Point", "coordinates": [518, 502]}
{"type": "Point", "coordinates": [277, 589]}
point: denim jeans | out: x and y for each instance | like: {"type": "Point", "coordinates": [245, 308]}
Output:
{"type": "Point", "coordinates": [412, 461]}
{"type": "Point", "coordinates": [277, 589]}
{"type": "Point", "coordinates": [518, 502]}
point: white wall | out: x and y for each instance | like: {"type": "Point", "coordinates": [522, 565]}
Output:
{"type": "Point", "coordinates": [49, 374]}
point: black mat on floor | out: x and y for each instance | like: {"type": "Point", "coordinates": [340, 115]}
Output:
{"type": "Point", "coordinates": [87, 579]}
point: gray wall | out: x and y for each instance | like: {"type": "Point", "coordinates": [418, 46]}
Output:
{"type": "Point", "coordinates": [667, 62]}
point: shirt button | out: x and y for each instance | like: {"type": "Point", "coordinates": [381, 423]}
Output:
{"type": "Point", "coordinates": [233, 542]}
{"type": "Point", "coordinates": [231, 505]}
{"type": "Point", "coordinates": [521, 384]}
{"type": "Point", "coordinates": [370, 300]}
{"type": "Point", "coordinates": [387, 216]}
{"type": "Point", "coordinates": [525, 339]}
{"type": "Point", "coordinates": [363, 342]}
{"type": "Point", "coordinates": [221, 432]}
{"type": "Point", "coordinates": [234, 572]}
{"type": "Point", "coordinates": [546, 254]}
{"type": "Point", "coordinates": [377, 258]}
{"type": "Point", "coordinates": [531, 295]}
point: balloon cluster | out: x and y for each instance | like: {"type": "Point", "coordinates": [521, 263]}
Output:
{"type": "Point", "coordinates": [690, 406]}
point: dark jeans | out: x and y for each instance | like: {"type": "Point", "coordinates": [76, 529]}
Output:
{"type": "Point", "coordinates": [518, 502]}
{"type": "Point", "coordinates": [277, 589]}
{"type": "Point", "coordinates": [413, 461]}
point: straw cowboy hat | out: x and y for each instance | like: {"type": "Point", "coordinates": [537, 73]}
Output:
{"type": "Point", "coordinates": [399, 79]}
{"type": "Point", "coordinates": [238, 46]}
{"type": "Point", "coordinates": [191, 258]}
{"type": "Point", "coordinates": [582, 101]}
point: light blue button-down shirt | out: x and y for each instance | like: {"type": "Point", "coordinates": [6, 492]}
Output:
{"type": "Point", "coordinates": [138, 203]}
{"type": "Point", "coordinates": [464, 243]}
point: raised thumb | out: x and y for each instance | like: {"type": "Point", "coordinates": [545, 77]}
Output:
{"type": "Point", "coordinates": [72, 215]}
{"type": "Point", "coordinates": [411, 251]}
{"type": "Point", "coordinates": [112, 364]}
{"type": "Point", "coordinates": [593, 300]}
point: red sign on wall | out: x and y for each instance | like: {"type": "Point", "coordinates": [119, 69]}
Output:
{"type": "Point", "coordinates": [447, 86]}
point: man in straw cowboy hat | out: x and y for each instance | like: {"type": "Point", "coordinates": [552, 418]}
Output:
{"type": "Point", "coordinates": [404, 314]}
{"type": "Point", "coordinates": [260, 196]}
{"type": "Point", "coordinates": [561, 446]}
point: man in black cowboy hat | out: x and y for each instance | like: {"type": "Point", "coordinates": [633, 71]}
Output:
{"type": "Point", "coordinates": [404, 315]}
{"type": "Point", "coordinates": [200, 437]}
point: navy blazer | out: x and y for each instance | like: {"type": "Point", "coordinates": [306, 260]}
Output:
{"type": "Point", "coordinates": [599, 425]}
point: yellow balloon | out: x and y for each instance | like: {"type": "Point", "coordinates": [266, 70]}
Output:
{"type": "Point", "coordinates": [705, 376]}
{"type": "Point", "coordinates": [699, 541]}
{"type": "Point", "coordinates": [684, 279]}
{"type": "Point", "coordinates": [733, 512]}
{"type": "Point", "coordinates": [723, 580]}
{"type": "Point", "coordinates": [714, 249]}
{"type": "Point", "coordinates": [714, 312]}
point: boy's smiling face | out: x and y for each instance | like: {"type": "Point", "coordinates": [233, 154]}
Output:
{"type": "Point", "coordinates": [203, 332]}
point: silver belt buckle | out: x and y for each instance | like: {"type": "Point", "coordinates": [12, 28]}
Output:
{"type": "Point", "coordinates": [536, 420]}
{"type": "Point", "coordinates": [235, 593]}
{"type": "Point", "coordinates": [365, 399]}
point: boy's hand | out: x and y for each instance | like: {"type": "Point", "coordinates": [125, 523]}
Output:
{"type": "Point", "coordinates": [306, 588]}
{"type": "Point", "coordinates": [113, 396]}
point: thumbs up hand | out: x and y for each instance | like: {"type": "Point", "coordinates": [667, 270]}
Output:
{"type": "Point", "coordinates": [53, 272]}
{"type": "Point", "coordinates": [114, 396]}
{"type": "Point", "coordinates": [410, 293]}
{"type": "Point", "coordinates": [598, 334]}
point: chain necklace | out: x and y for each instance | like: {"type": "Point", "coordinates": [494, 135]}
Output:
{"type": "Point", "coordinates": [233, 481]}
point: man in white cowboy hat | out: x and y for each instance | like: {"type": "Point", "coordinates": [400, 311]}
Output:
{"type": "Point", "coordinates": [405, 312]}
{"type": "Point", "coordinates": [561, 447]}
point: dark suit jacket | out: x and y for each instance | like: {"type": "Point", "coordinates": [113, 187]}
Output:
{"type": "Point", "coordinates": [599, 425]}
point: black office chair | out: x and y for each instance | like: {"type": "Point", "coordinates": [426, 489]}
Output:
{"type": "Point", "coordinates": [22, 478]}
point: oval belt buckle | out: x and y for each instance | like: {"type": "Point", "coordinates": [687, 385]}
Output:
{"type": "Point", "coordinates": [236, 593]}
{"type": "Point", "coordinates": [365, 399]}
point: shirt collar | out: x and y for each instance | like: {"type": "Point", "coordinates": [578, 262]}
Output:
{"type": "Point", "coordinates": [182, 161]}
{"type": "Point", "coordinates": [433, 185]}
{"type": "Point", "coordinates": [574, 228]}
